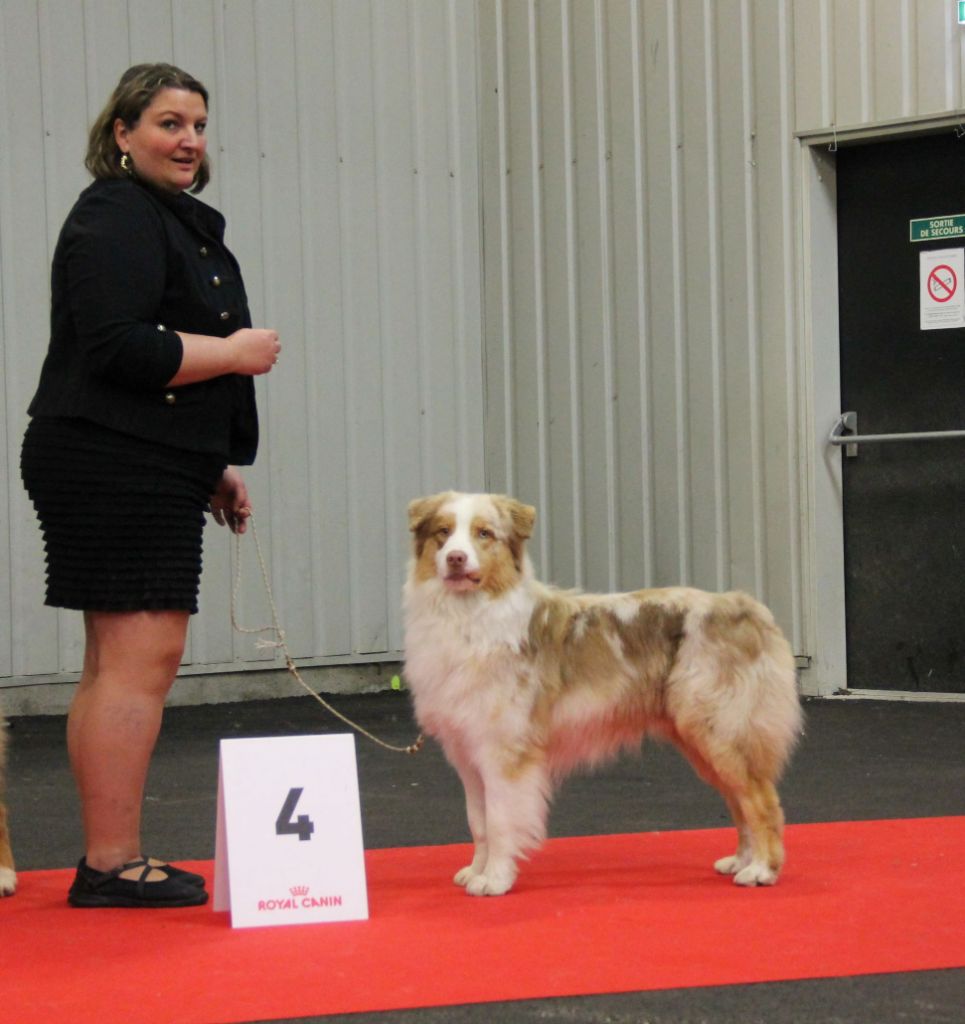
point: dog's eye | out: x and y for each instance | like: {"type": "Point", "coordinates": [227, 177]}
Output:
{"type": "Point", "coordinates": [443, 531]}
{"type": "Point", "coordinates": [486, 534]}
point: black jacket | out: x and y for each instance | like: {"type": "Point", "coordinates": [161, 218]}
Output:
{"type": "Point", "coordinates": [132, 266]}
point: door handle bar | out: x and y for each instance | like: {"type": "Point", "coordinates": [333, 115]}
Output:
{"type": "Point", "coordinates": [848, 421]}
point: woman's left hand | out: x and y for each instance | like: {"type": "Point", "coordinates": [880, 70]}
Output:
{"type": "Point", "coordinates": [230, 505]}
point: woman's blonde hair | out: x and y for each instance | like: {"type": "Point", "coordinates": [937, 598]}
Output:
{"type": "Point", "coordinates": [135, 91]}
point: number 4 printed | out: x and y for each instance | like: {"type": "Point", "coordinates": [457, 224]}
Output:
{"type": "Point", "coordinates": [287, 825]}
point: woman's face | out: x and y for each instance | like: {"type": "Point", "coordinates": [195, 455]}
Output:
{"type": "Point", "coordinates": [168, 142]}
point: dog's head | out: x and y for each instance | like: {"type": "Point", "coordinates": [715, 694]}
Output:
{"type": "Point", "coordinates": [470, 542]}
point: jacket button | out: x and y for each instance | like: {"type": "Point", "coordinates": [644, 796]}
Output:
{"type": "Point", "coordinates": [170, 397]}
{"type": "Point", "coordinates": [161, 327]}
{"type": "Point", "coordinates": [203, 251]}
{"type": "Point", "coordinates": [224, 315]}
{"type": "Point", "coordinates": [216, 281]}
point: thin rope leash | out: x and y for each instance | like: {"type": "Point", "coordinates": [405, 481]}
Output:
{"type": "Point", "coordinates": [282, 643]}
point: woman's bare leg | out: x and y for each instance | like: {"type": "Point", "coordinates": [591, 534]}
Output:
{"type": "Point", "coordinates": [130, 662]}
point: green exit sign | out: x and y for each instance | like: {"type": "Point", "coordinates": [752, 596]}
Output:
{"type": "Point", "coordinates": [961, 12]}
{"type": "Point", "coordinates": [937, 229]}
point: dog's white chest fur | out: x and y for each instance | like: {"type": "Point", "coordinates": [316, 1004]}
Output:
{"type": "Point", "coordinates": [463, 657]}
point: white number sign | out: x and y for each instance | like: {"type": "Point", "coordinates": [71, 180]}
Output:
{"type": "Point", "coordinates": [289, 831]}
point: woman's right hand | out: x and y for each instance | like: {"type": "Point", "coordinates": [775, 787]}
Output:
{"type": "Point", "coordinates": [255, 350]}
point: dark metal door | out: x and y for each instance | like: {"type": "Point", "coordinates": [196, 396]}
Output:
{"type": "Point", "coordinates": [903, 501]}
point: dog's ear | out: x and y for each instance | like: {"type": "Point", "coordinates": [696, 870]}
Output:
{"type": "Point", "coordinates": [522, 517]}
{"type": "Point", "coordinates": [521, 520]}
{"type": "Point", "coordinates": [423, 509]}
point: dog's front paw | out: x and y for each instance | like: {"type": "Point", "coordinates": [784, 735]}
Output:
{"type": "Point", "coordinates": [491, 882]}
{"type": "Point", "coordinates": [465, 875]}
{"type": "Point", "coordinates": [481, 885]}
{"type": "Point", "coordinates": [731, 865]}
{"type": "Point", "coordinates": [756, 873]}
{"type": "Point", "coordinates": [8, 881]}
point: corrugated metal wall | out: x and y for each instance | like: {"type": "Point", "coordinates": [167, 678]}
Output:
{"type": "Point", "coordinates": [625, 177]}
{"type": "Point", "coordinates": [644, 274]}
{"type": "Point", "coordinates": [640, 296]}
{"type": "Point", "coordinates": [862, 62]}
{"type": "Point", "coordinates": [344, 144]}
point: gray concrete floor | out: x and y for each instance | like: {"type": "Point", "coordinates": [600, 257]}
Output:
{"type": "Point", "coordinates": [860, 760]}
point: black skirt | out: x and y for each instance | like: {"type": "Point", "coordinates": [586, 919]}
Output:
{"type": "Point", "coordinates": [122, 518]}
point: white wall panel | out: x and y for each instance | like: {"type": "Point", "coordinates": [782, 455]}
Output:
{"type": "Point", "coordinates": [344, 142]}
{"type": "Point", "coordinates": [661, 201]}
{"type": "Point", "coordinates": [649, 313]}
{"type": "Point", "coordinates": [774, 235]}
{"type": "Point", "coordinates": [35, 635]}
{"type": "Point", "coordinates": [317, 164]}
{"type": "Point", "coordinates": [644, 291]}
{"type": "Point", "coordinates": [875, 61]}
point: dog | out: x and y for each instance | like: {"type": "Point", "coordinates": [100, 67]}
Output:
{"type": "Point", "coordinates": [8, 875]}
{"type": "Point", "coordinates": [521, 683]}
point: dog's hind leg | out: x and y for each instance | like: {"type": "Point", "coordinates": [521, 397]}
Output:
{"type": "Point", "coordinates": [756, 811]}
{"type": "Point", "coordinates": [762, 811]}
{"type": "Point", "coordinates": [737, 861]}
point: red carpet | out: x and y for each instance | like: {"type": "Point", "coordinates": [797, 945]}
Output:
{"type": "Point", "coordinates": [590, 915]}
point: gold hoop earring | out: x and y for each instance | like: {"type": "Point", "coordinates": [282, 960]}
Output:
{"type": "Point", "coordinates": [126, 163]}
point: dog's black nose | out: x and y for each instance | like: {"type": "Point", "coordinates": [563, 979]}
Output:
{"type": "Point", "coordinates": [456, 559]}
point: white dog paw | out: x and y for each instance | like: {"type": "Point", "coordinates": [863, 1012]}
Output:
{"type": "Point", "coordinates": [464, 875]}
{"type": "Point", "coordinates": [730, 865]}
{"type": "Point", "coordinates": [756, 873]}
{"type": "Point", "coordinates": [491, 883]}
{"type": "Point", "coordinates": [8, 882]}
{"type": "Point", "coordinates": [480, 885]}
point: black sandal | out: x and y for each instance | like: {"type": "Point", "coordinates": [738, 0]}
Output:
{"type": "Point", "coordinates": [175, 872]}
{"type": "Point", "coordinates": [92, 888]}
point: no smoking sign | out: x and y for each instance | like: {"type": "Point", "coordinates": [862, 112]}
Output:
{"type": "Point", "coordinates": [942, 283]}
{"type": "Point", "coordinates": [940, 289]}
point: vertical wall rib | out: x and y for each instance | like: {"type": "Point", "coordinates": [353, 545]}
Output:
{"type": "Point", "coordinates": [717, 451]}
{"type": "Point", "coordinates": [644, 327]}
{"type": "Point", "coordinates": [572, 292]}
{"type": "Point", "coordinates": [506, 262]}
{"type": "Point", "coordinates": [752, 259]}
{"type": "Point", "coordinates": [535, 172]}
{"type": "Point", "coordinates": [608, 396]}
{"type": "Point", "coordinates": [785, 535]}
{"type": "Point", "coordinates": [679, 326]}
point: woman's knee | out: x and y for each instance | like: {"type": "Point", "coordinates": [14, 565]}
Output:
{"type": "Point", "coordinates": [146, 645]}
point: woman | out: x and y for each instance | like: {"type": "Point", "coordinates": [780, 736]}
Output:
{"type": "Point", "coordinates": [145, 404]}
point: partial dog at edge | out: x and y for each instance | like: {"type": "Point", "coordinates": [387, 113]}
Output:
{"type": "Point", "coordinates": [8, 877]}
{"type": "Point", "coordinates": [521, 683]}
